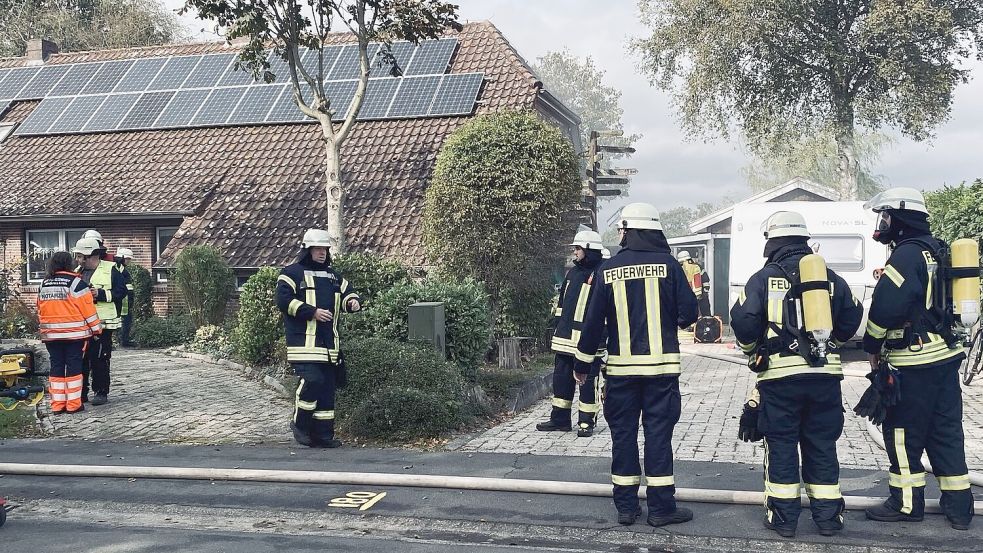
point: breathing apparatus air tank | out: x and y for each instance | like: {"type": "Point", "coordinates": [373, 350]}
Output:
{"type": "Point", "coordinates": [817, 313]}
{"type": "Point", "coordinates": [966, 283]}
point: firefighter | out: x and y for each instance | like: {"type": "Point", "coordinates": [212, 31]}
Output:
{"type": "Point", "coordinates": [640, 299]}
{"type": "Point", "coordinates": [801, 404]}
{"type": "Point", "coordinates": [67, 320]}
{"type": "Point", "coordinates": [905, 329]}
{"type": "Point", "coordinates": [311, 294]}
{"type": "Point", "coordinates": [697, 279]}
{"type": "Point", "coordinates": [568, 319]}
{"type": "Point", "coordinates": [108, 290]}
{"type": "Point", "coordinates": [123, 256]}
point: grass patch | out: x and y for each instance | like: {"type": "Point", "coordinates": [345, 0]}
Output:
{"type": "Point", "coordinates": [499, 383]}
{"type": "Point", "coordinates": [18, 423]}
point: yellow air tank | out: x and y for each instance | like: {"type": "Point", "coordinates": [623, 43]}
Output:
{"type": "Point", "coordinates": [816, 310]}
{"type": "Point", "coordinates": [966, 290]}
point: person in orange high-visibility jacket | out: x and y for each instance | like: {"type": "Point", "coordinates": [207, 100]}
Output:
{"type": "Point", "coordinates": [68, 319]}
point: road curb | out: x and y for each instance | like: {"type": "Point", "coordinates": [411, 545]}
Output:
{"type": "Point", "coordinates": [267, 380]}
{"type": "Point", "coordinates": [530, 392]}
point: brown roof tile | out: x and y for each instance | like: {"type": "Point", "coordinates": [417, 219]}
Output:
{"type": "Point", "coordinates": [251, 191]}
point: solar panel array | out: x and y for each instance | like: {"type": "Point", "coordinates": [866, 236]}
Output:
{"type": "Point", "coordinates": [207, 90]}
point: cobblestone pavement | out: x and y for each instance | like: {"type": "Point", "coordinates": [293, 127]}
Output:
{"type": "Point", "coordinates": [713, 393]}
{"type": "Point", "coordinates": [163, 399]}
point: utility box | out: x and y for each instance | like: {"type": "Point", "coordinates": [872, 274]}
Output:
{"type": "Point", "coordinates": [425, 323]}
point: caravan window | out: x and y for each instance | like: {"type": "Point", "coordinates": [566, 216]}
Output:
{"type": "Point", "coordinates": [841, 252]}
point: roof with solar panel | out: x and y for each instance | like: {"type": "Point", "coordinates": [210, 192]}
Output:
{"type": "Point", "coordinates": [179, 131]}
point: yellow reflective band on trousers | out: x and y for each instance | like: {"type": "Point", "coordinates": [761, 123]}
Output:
{"type": "Point", "coordinates": [781, 367]}
{"type": "Point", "coordinates": [782, 491]}
{"type": "Point", "coordinates": [561, 403]}
{"type": "Point", "coordinates": [916, 480]}
{"type": "Point", "coordinates": [823, 491]}
{"type": "Point", "coordinates": [590, 407]}
{"type": "Point", "coordinates": [934, 351]}
{"type": "Point", "coordinates": [620, 480]}
{"type": "Point", "coordinates": [324, 415]}
{"type": "Point", "coordinates": [953, 483]}
{"type": "Point", "coordinates": [660, 481]}
{"type": "Point", "coordinates": [905, 469]}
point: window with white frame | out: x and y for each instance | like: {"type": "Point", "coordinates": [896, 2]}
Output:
{"type": "Point", "coordinates": [5, 130]}
{"type": "Point", "coordinates": [164, 236]}
{"type": "Point", "coordinates": [42, 244]}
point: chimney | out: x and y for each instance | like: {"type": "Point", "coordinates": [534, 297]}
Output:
{"type": "Point", "coordinates": [39, 50]}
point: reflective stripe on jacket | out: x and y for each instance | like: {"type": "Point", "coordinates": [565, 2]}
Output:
{"type": "Point", "coordinates": [65, 309]}
{"type": "Point", "coordinates": [110, 291]}
{"type": "Point", "coordinates": [571, 310]}
{"type": "Point", "coordinates": [895, 325]}
{"type": "Point", "coordinates": [641, 299]}
{"type": "Point", "coordinates": [299, 293]}
{"type": "Point", "coordinates": [764, 311]}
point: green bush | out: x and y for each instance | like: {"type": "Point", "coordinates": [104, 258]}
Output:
{"type": "Point", "coordinates": [206, 282]}
{"type": "Point", "coordinates": [466, 314]}
{"type": "Point", "coordinates": [954, 211]}
{"type": "Point", "coordinates": [18, 321]}
{"type": "Point", "coordinates": [212, 340]}
{"type": "Point", "coordinates": [369, 273]}
{"type": "Point", "coordinates": [143, 287]}
{"type": "Point", "coordinates": [259, 323]}
{"type": "Point", "coordinates": [526, 312]}
{"type": "Point", "coordinates": [398, 390]}
{"type": "Point", "coordinates": [158, 332]}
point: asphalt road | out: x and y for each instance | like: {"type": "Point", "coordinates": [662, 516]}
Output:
{"type": "Point", "coordinates": [120, 515]}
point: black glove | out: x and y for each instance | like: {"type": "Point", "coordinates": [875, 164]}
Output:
{"type": "Point", "coordinates": [758, 362]}
{"type": "Point", "coordinates": [747, 430]}
{"type": "Point", "coordinates": [884, 392]}
{"type": "Point", "coordinates": [341, 372]}
{"type": "Point", "coordinates": [890, 386]}
{"type": "Point", "coordinates": [871, 405]}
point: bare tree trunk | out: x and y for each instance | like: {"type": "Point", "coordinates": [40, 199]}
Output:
{"type": "Point", "coordinates": [848, 185]}
{"type": "Point", "coordinates": [333, 190]}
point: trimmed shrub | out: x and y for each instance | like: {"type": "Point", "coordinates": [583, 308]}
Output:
{"type": "Point", "coordinates": [369, 273]}
{"type": "Point", "coordinates": [954, 211]}
{"type": "Point", "coordinates": [398, 390]}
{"type": "Point", "coordinates": [143, 286]}
{"type": "Point", "coordinates": [526, 312]}
{"type": "Point", "coordinates": [162, 332]}
{"type": "Point", "coordinates": [206, 282]}
{"type": "Point", "coordinates": [19, 320]}
{"type": "Point", "coordinates": [259, 323]}
{"type": "Point", "coordinates": [465, 310]}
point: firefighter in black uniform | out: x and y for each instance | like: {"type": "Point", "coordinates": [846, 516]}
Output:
{"type": "Point", "coordinates": [569, 317]}
{"type": "Point", "coordinates": [312, 296]}
{"type": "Point", "coordinates": [905, 330]}
{"type": "Point", "coordinates": [640, 299]}
{"type": "Point", "coordinates": [801, 404]}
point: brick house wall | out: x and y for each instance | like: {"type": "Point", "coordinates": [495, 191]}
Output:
{"type": "Point", "coordinates": [139, 235]}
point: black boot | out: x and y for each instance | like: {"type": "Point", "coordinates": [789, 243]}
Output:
{"type": "Point", "coordinates": [551, 426]}
{"type": "Point", "coordinates": [301, 437]}
{"type": "Point", "coordinates": [783, 530]}
{"type": "Point", "coordinates": [680, 515]}
{"type": "Point", "coordinates": [628, 518]}
{"type": "Point", "coordinates": [886, 513]}
{"type": "Point", "coordinates": [585, 430]}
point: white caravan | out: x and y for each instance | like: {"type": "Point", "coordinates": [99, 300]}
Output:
{"type": "Point", "coordinates": [841, 233]}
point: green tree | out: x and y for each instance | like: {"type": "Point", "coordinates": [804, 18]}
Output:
{"type": "Point", "coordinates": [495, 206]}
{"type": "Point", "coordinates": [77, 25]}
{"type": "Point", "coordinates": [816, 159]}
{"type": "Point", "coordinates": [954, 211]}
{"type": "Point", "coordinates": [782, 70]}
{"type": "Point", "coordinates": [579, 84]}
{"type": "Point", "coordinates": [676, 221]}
{"type": "Point", "coordinates": [286, 26]}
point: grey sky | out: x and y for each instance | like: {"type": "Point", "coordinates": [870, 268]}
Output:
{"type": "Point", "coordinates": [673, 170]}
